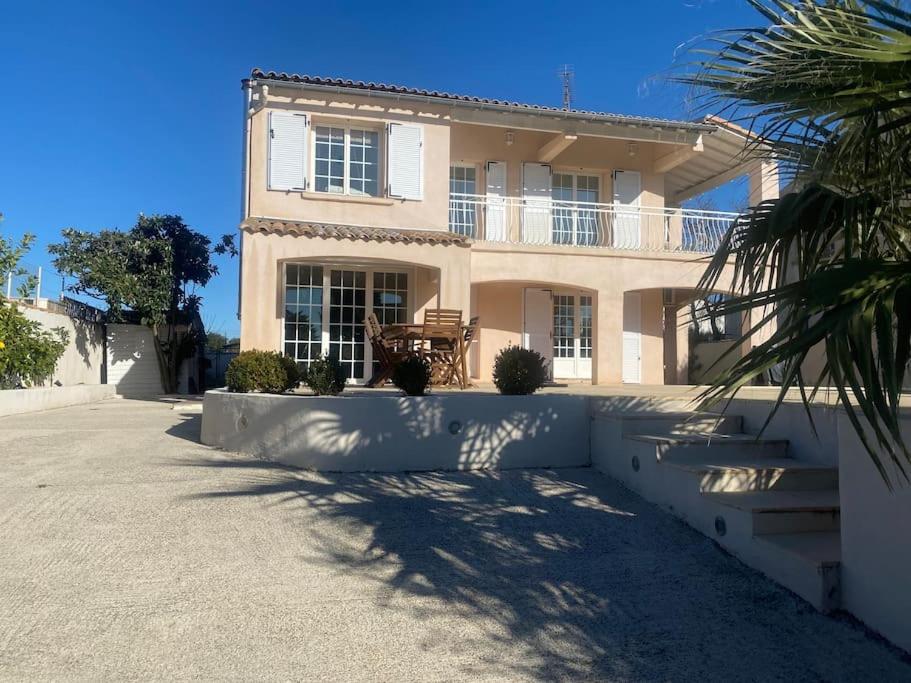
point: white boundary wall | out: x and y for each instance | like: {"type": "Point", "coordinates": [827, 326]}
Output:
{"type": "Point", "coordinates": [83, 357]}
{"type": "Point", "coordinates": [15, 401]}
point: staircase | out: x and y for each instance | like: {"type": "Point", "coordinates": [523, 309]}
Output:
{"type": "Point", "coordinates": [775, 513]}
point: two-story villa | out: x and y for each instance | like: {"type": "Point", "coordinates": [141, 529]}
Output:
{"type": "Point", "coordinates": [561, 229]}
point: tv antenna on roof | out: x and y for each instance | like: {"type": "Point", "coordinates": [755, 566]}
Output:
{"type": "Point", "coordinates": [567, 74]}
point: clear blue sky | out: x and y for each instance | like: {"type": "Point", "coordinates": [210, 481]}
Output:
{"type": "Point", "coordinates": [114, 108]}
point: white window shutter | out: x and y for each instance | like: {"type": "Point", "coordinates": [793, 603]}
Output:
{"type": "Point", "coordinates": [287, 151]}
{"type": "Point", "coordinates": [406, 161]}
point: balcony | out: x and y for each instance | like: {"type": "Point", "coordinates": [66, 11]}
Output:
{"type": "Point", "coordinates": [542, 221]}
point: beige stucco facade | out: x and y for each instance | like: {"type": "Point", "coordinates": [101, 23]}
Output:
{"type": "Point", "coordinates": [480, 276]}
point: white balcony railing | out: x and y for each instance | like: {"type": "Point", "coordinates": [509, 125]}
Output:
{"type": "Point", "coordinates": [542, 221]}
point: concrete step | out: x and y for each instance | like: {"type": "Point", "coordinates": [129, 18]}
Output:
{"type": "Point", "coordinates": [675, 422]}
{"type": "Point", "coordinates": [749, 524]}
{"type": "Point", "coordinates": [701, 446]}
{"type": "Point", "coordinates": [782, 512]}
{"type": "Point", "coordinates": [807, 563]}
{"type": "Point", "coordinates": [776, 514]}
{"type": "Point", "coordinates": [779, 501]}
{"type": "Point", "coordinates": [620, 405]}
{"type": "Point", "coordinates": [716, 473]}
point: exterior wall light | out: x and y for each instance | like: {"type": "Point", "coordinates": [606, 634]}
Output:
{"type": "Point", "coordinates": [510, 138]}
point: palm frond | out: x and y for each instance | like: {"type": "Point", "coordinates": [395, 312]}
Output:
{"type": "Point", "coordinates": [826, 89]}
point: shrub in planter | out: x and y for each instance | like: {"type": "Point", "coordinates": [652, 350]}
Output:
{"type": "Point", "coordinates": [518, 371]}
{"type": "Point", "coordinates": [326, 376]}
{"type": "Point", "coordinates": [412, 376]}
{"type": "Point", "coordinates": [267, 372]}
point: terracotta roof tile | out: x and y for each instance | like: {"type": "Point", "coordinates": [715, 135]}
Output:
{"type": "Point", "coordinates": [303, 79]}
{"type": "Point", "coordinates": [353, 232]}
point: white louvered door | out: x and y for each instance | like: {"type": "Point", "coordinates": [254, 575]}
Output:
{"type": "Point", "coordinates": [536, 210]}
{"type": "Point", "coordinates": [405, 151]}
{"type": "Point", "coordinates": [627, 232]}
{"type": "Point", "coordinates": [496, 226]}
{"type": "Point", "coordinates": [632, 338]}
{"type": "Point", "coordinates": [287, 151]}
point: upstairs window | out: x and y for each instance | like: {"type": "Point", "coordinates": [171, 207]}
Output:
{"type": "Point", "coordinates": [346, 161]}
{"type": "Point", "coordinates": [363, 162]}
{"type": "Point", "coordinates": [463, 209]}
{"type": "Point", "coordinates": [329, 168]}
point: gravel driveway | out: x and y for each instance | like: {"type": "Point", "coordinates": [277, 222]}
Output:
{"type": "Point", "coordinates": [128, 550]}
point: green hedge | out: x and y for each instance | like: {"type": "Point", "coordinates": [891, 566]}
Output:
{"type": "Point", "coordinates": [266, 372]}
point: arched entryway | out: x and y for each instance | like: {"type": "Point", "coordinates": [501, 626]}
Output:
{"type": "Point", "coordinates": [556, 320]}
{"type": "Point", "coordinates": [664, 343]}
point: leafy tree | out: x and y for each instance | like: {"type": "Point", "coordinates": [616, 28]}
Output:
{"type": "Point", "coordinates": [28, 353]}
{"type": "Point", "coordinates": [215, 341]}
{"type": "Point", "coordinates": [11, 254]}
{"type": "Point", "coordinates": [151, 270]}
{"type": "Point", "coordinates": [825, 88]}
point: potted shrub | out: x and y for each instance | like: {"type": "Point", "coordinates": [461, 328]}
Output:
{"type": "Point", "coordinates": [518, 371]}
{"type": "Point", "coordinates": [326, 376]}
{"type": "Point", "coordinates": [267, 372]}
{"type": "Point", "coordinates": [412, 375]}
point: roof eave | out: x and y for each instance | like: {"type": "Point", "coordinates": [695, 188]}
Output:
{"type": "Point", "coordinates": [552, 114]}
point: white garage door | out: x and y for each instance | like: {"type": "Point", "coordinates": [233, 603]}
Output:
{"type": "Point", "coordinates": [132, 366]}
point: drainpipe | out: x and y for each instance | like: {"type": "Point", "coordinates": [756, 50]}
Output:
{"type": "Point", "coordinates": [247, 87]}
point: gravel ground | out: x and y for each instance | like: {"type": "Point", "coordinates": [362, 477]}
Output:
{"type": "Point", "coordinates": [128, 550]}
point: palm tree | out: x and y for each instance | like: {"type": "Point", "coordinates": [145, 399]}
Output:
{"type": "Point", "coordinates": [826, 90]}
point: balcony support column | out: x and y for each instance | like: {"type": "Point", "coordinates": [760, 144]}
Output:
{"type": "Point", "coordinates": [764, 182]}
{"type": "Point", "coordinates": [608, 313]}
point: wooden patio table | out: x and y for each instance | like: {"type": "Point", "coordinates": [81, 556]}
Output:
{"type": "Point", "coordinates": [414, 333]}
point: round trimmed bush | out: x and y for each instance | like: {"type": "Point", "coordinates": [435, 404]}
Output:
{"type": "Point", "coordinates": [325, 376]}
{"type": "Point", "coordinates": [518, 371]}
{"type": "Point", "coordinates": [412, 376]}
{"type": "Point", "coordinates": [267, 372]}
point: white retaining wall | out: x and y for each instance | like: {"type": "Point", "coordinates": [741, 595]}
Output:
{"type": "Point", "coordinates": [15, 401]}
{"type": "Point", "coordinates": [391, 433]}
{"type": "Point", "coordinates": [875, 538]}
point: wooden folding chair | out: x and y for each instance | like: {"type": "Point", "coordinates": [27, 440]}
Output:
{"type": "Point", "coordinates": [439, 341]}
{"type": "Point", "coordinates": [460, 363]}
{"type": "Point", "coordinates": [386, 352]}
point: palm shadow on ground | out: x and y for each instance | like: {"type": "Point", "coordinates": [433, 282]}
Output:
{"type": "Point", "coordinates": [559, 574]}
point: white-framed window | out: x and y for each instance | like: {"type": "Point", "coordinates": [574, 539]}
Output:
{"type": "Point", "coordinates": [390, 297]}
{"type": "Point", "coordinates": [325, 308]}
{"type": "Point", "coordinates": [564, 326]}
{"type": "Point", "coordinates": [463, 180]}
{"type": "Point", "coordinates": [346, 160]}
{"type": "Point", "coordinates": [303, 312]}
{"type": "Point", "coordinates": [575, 219]}
{"type": "Point", "coordinates": [585, 326]}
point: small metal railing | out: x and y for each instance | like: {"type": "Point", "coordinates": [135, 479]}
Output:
{"type": "Point", "coordinates": [543, 221]}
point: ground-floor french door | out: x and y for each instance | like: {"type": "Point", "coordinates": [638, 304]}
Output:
{"type": "Point", "coordinates": [559, 325]}
{"type": "Point", "coordinates": [325, 307]}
